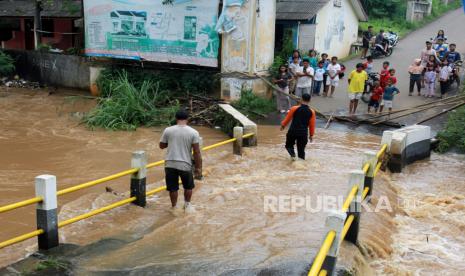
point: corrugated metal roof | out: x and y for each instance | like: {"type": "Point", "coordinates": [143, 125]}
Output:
{"type": "Point", "coordinates": [298, 9]}
{"type": "Point", "coordinates": [26, 8]}
{"type": "Point", "coordinates": [307, 9]}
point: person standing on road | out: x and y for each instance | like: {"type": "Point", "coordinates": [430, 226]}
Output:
{"type": "Point", "coordinates": [282, 80]}
{"type": "Point", "coordinates": [366, 39]}
{"type": "Point", "coordinates": [293, 71]}
{"type": "Point", "coordinates": [430, 80]}
{"type": "Point", "coordinates": [334, 69]}
{"type": "Point", "coordinates": [424, 56]}
{"type": "Point", "coordinates": [302, 127]}
{"type": "Point", "coordinates": [181, 140]}
{"type": "Point", "coordinates": [388, 96]}
{"type": "Point", "coordinates": [384, 75]}
{"type": "Point", "coordinates": [376, 96]}
{"type": "Point", "coordinates": [319, 76]}
{"type": "Point", "coordinates": [444, 77]}
{"type": "Point", "coordinates": [415, 70]}
{"type": "Point", "coordinates": [305, 75]}
{"type": "Point", "coordinates": [368, 65]}
{"type": "Point", "coordinates": [357, 79]}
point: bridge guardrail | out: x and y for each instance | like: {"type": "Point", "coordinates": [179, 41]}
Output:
{"type": "Point", "coordinates": [345, 222]}
{"type": "Point", "coordinates": [46, 199]}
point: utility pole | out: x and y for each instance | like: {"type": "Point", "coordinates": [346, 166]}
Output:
{"type": "Point", "coordinates": [37, 24]}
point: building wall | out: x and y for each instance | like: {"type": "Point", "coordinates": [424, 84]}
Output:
{"type": "Point", "coordinates": [336, 29]}
{"type": "Point", "coordinates": [61, 41]}
{"type": "Point", "coordinates": [18, 40]}
{"type": "Point", "coordinates": [58, 40]}
{"type": "Point", "coordinates": [248, 49]}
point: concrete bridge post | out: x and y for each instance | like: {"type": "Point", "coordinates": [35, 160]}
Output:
{"type": "Point", "coordinates": [370, 157]}
{"type": "Point", "coordinates": [334, 222]}
{"type": "Point", "coordinates": [138, 179]}
{"type": "Point", "coordinates": [237, 145]}
{"type": "Point", "coordinates": [357, 178]}
{"type": "Point", "coordinates": [46, 211]}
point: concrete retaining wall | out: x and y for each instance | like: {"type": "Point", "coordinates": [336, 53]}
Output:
{"type": "Point", "coordinates": [241, 120]}
{"type": "Point", "coordinates": [407, 145]}
{"type": "Point", "coordinates": [53, 69]}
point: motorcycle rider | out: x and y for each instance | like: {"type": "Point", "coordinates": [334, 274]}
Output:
{"type": "Point", "coordinates": [440, 35]}
{"type": "Point", "coordinates": [441, 49]}
{"type": "Point", "coordinates": [452, 57]}
{"type": "Point", "coordinates": [380, 41]}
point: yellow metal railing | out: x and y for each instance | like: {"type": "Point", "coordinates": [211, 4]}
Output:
{"type": "Point", "coordinates": [315, 269]}
{"type": "Point", "coordinates": [90, 184]}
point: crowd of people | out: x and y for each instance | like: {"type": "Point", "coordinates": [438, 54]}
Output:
{"type": "Point", "coordinates": [318, 75]}
{"type": "Point", "coordinates": [312, 74]}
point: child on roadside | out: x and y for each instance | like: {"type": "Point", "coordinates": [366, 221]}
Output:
{"type": "Point", "coordinates": [392, 76]}
{"type": "Point", "coordinates": [282, 80]}
{"type": "Point", "coordinates": [430, 82]}
{"type": "Point", "coordinates": [319, 76]}
{"type": "Point", "coordinates": [326, 62]}
{"type": "Point", "coordinates": [388, 97]}
{"type": "Point", "coordinates": [368, 65]}
{"type": "Point", "coordinates": [376, 96]}
{"type": "Point", "coordinates": [384, 75]}
{"type": "Point", "coordinates": [444, 77]}
{"type": "Point", "coordinates": [334, 69]}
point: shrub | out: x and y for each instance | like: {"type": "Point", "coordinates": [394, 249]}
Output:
{"type": "Point", "coordinates": [453, 135]}
{"type": "Point", "coordinates": [252, 104]}
{"type": "Point", "coordinates": [6, 64]}
{"type": "Point", "coordinates": [128, 105]}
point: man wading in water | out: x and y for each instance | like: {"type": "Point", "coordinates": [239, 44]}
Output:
{"type": "Point", "coordinates": [181, 140]}
{"type": "Point", "coordinates": [303, 121]}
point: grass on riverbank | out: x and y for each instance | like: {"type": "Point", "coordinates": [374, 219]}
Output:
{"type": "Point", "coordinates": [252, 105]}
{"type": "Point", "coordinates": [127, 105]}
{"type": "Point", "coordinates": [453, 134]}
{"type": "Point", "coordinates": [402, 27]}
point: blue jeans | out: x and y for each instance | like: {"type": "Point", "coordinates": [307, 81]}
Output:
{"type": "Point", "coordinates": [317, 87]}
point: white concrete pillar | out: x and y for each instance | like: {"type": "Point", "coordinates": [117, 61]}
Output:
{"type": "Point", "coordinates": [139, 179]}
{"type": "Point", "coordinates": [46, 211]}
{"type": "Point", "coordinates": [357, 178]}
{"type": "Point", "coordinates": [334, 222]}
{"type": "Point", "coordinates": [238, 132]}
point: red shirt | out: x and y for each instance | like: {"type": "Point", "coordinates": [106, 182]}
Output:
{"type": "Point", "coordinates": [377, 93]}
{"type": "Point", "coordinates": [384, 77]}
{"type": "Point", "coordinates": [393, 79]}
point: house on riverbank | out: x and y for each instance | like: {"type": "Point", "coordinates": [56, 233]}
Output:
{"type": "Point", "coordinates": [60, 22]}
{"type": "Point", "coordinates": [329, 26]}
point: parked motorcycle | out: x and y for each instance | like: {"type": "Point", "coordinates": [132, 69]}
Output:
{"type": "Point", "coordinates": [454, 75]}
{"type": "Point", "coordinates": [372, 77]}
{"type": "Point", "coordinates": [377, 51]}
{"type": "Point", "coordinates": [392, 37]}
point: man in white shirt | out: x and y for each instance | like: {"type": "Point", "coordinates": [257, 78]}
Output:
{"type": "Point", "coordinates": [305, 75]}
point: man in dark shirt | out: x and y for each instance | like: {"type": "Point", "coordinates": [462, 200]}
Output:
{"type": "Point", "coordinates": [367, 35]}
{"type": "Point", "coordinates": [380, 40]}
{"type": "Point", "coordinates": [302, 127]}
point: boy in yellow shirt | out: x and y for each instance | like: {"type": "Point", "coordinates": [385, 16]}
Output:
{"type": "Point", "coordinates": [357, 80]}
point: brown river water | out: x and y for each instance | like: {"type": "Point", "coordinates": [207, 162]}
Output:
{"type": "Point", "coordinates": [230, 232]}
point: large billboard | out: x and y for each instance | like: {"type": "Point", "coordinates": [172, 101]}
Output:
{"type": "Point", "coordinates": [181, 32]}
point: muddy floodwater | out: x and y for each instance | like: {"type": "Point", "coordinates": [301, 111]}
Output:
{"type": "Point", "coordinates": [236, 228]}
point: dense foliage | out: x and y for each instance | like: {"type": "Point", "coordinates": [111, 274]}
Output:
{"type": "Point", "coordinates": [453, 135]}
{"type": "Point", "coordinates": [252, 104]}
{"type": "Point", "coordinates": [127, 105]}
{"type": "Point", "coordinates": [6, 64]}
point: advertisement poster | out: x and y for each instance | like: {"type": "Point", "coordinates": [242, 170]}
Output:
{"type": "Point", "coordinates": [181, 32]}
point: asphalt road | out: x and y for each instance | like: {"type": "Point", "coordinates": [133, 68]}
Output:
{"type": "Point", "coordinates": [406, 51]}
